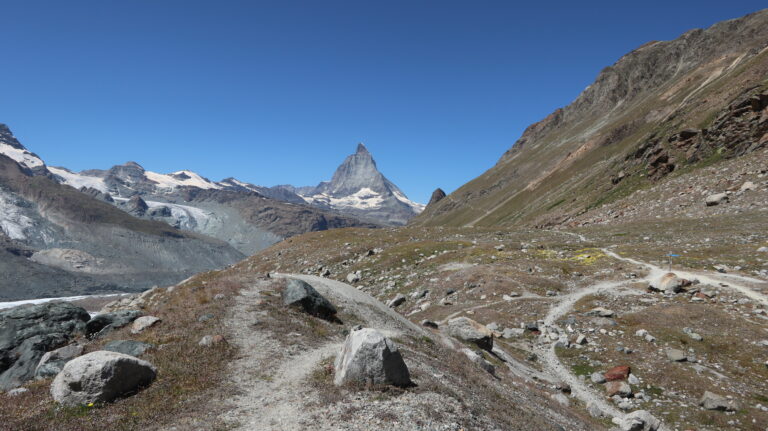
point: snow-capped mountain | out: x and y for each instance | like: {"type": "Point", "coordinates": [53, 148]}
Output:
{"type": "Point", "coordinates": [358, 188]}
{"type": "Point", "coordinates": [12, 148]}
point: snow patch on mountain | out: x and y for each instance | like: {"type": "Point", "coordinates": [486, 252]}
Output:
{"type": "Point", "coordinates": [21, 156]}
{"type": "Point", "coordinates": [169, 182]}
{"type": "Point", "coordinates": [79, 181]}
{"type": "Point", "coordinates": [402, 198]}
{"type": "Point", "coordinates": [363, 199]}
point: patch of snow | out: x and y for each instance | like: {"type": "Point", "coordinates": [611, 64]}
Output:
{"type": "Point", "coordinates": [22, 157]}
{"type": "Point", "coordinates": [79, 180]}
{"type": "Point", "coordinates": [11, 304]}
{"type": "Point", "coordinates": [415, 205]}
{"type": "Point", "coordinates": [184, 213]}
{"type": "Point", "coordinates": [239, 183]}
{"type": "Point", "coordinates": [168, 182]}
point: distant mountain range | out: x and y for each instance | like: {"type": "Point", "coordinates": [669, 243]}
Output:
{"type": "Point", "coordinates": [78, 224]}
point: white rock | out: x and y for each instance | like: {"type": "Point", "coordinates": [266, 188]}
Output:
{"type": "Point", "coordinates": [100, 376]}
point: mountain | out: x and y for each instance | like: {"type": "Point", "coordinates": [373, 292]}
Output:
{"type": "Point", "coordinates": [57, 241]}
{"type": "Point", "coordinates": [358, 188]}
{"type": "Point", "coordinates": [248, 217]}
{"type": "Point", "coordinates": [666, 108]}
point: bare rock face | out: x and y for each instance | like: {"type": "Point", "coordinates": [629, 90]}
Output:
{"type": "Point", "coordinates": [99, 377]}
{"type": "Point", "coordinates": [466, 329]}
{"type": "Point", "coordinates": [369, 357]}
{"type": "Point", "coordinates": [301, 294]}
{"type": "Point", "coordinates": [437, 196]}
{"type": "Point", "coordinates": [28, 332]}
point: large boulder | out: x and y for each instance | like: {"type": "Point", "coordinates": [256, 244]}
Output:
{"type": "Point", "coordinates": [28, 332]}
{"type": "Point", "coordinates": [128, 347]}
{"type": "Point", "coordinates": [299, 293]}
{"type": "Point", "coordinates": [367, 356]}
{"type": "Point", "coordinates": [106, 322]}
{"type": "Point", "coordinates": [99, 377]}
{"type": "Point", "coordinates": [466, 329]}
{"type": "Point", "coordinates": [670, 283]}
{"type": "Point", "coordinates": [53, 362]}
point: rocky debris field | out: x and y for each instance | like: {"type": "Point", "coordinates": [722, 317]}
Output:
{"type": "Point", "coordinates": [560, 309]}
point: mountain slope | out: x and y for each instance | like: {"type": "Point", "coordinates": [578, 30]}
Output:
{"type": "Point", "coordinates": [58, 241]}
{"type": "Point", "coordinates": [664, 107]}
{"type": "Point", "coordinates": [358, 188]}
{"type": "Point", "coordinates": [248, 217]}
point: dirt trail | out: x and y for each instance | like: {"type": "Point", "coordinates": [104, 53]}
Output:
{"type": "Point", "coordinates": [546, 351]}
{"type": "Point", "coordinates": [271, 374]}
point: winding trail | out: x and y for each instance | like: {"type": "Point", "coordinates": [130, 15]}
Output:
{"type": "Point", "coordinates": [546, 349]}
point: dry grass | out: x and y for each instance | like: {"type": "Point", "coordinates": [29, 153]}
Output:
{"type": "Point", "coordinates": [188, 375]}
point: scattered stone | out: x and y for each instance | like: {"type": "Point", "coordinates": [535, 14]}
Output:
{"type": "Point", "coordinates": [561, 399]}
{"type": "Point", "coordinates": [597, 377]}
{"type": "Point", "coordinates": [693, 335]}
{"type": "Point", "coordinates": [300, 293]}
{"type": "Point", "coordinates": [211, 340]}
{"type": "Point", "coordinates": [640, 420]}
{"type": "Point", "coordinates": [712, 401]}
{"type": "Point", "coordinates": [762, 250]}
{"type": "Point", "coordinates": [620, 372]}
{"type": "Point", "coordinates": [369, 357]}
{"type": "Point", "coordinates": [676, 355]}
{"type": "Point", "coordinates": [513, 332]}
{"type": "Point", "coordinates": [747, 186]}
{"type": "Point", "coordinates": [16, 392]}
{"type": "Point", "coordinates": [493, 326]}
{"type": "Point", "coordinates": [467, 329]}
{"type": "Point", "coordinates": [618, 387]}
{"type": "Point", "coordinates": [716, 199]}
{"type": "Point", "coordinates": [144, 322]}
{"type": "Point", "coordinates": [353, 277]}
{"type": "Point", "coordinates": [100, 376]}
{"type": "Point", "coordinates": [633, 380]}
{"type": "Point", "coordinates": [600, 312]}
{"type": "Point", "coordinates": [107, 322]}
{"type": "Point", "coordinates": [594, 410]}
{"type": "Point", "coordinates": [429, 324]}
{"type": "Point", "coordinates": [128, 347]}
{"type": "Point", "coordinates": [205, 317]}
{"type": "Point", "coordinates": [52, 362]}
{"type": "Point", "coordinates": [396, 301]}
{"type": "Point", "coordinates": [580, 339]}
{"type": "Point", "coordinates": [479, 360]}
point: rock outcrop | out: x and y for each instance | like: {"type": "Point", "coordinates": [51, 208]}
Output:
{"type": "Point", "coordinates": [27, 333]}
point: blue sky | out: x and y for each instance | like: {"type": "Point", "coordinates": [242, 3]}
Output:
{"type": "Point", "coordinates": [276, 92]}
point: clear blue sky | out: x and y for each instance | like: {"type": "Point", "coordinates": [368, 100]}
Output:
{"type": "Point", "coordinates": [276, 92]}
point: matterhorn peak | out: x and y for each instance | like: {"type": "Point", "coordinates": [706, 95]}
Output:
{"type": "Point", "coordinates": [361, 149]}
